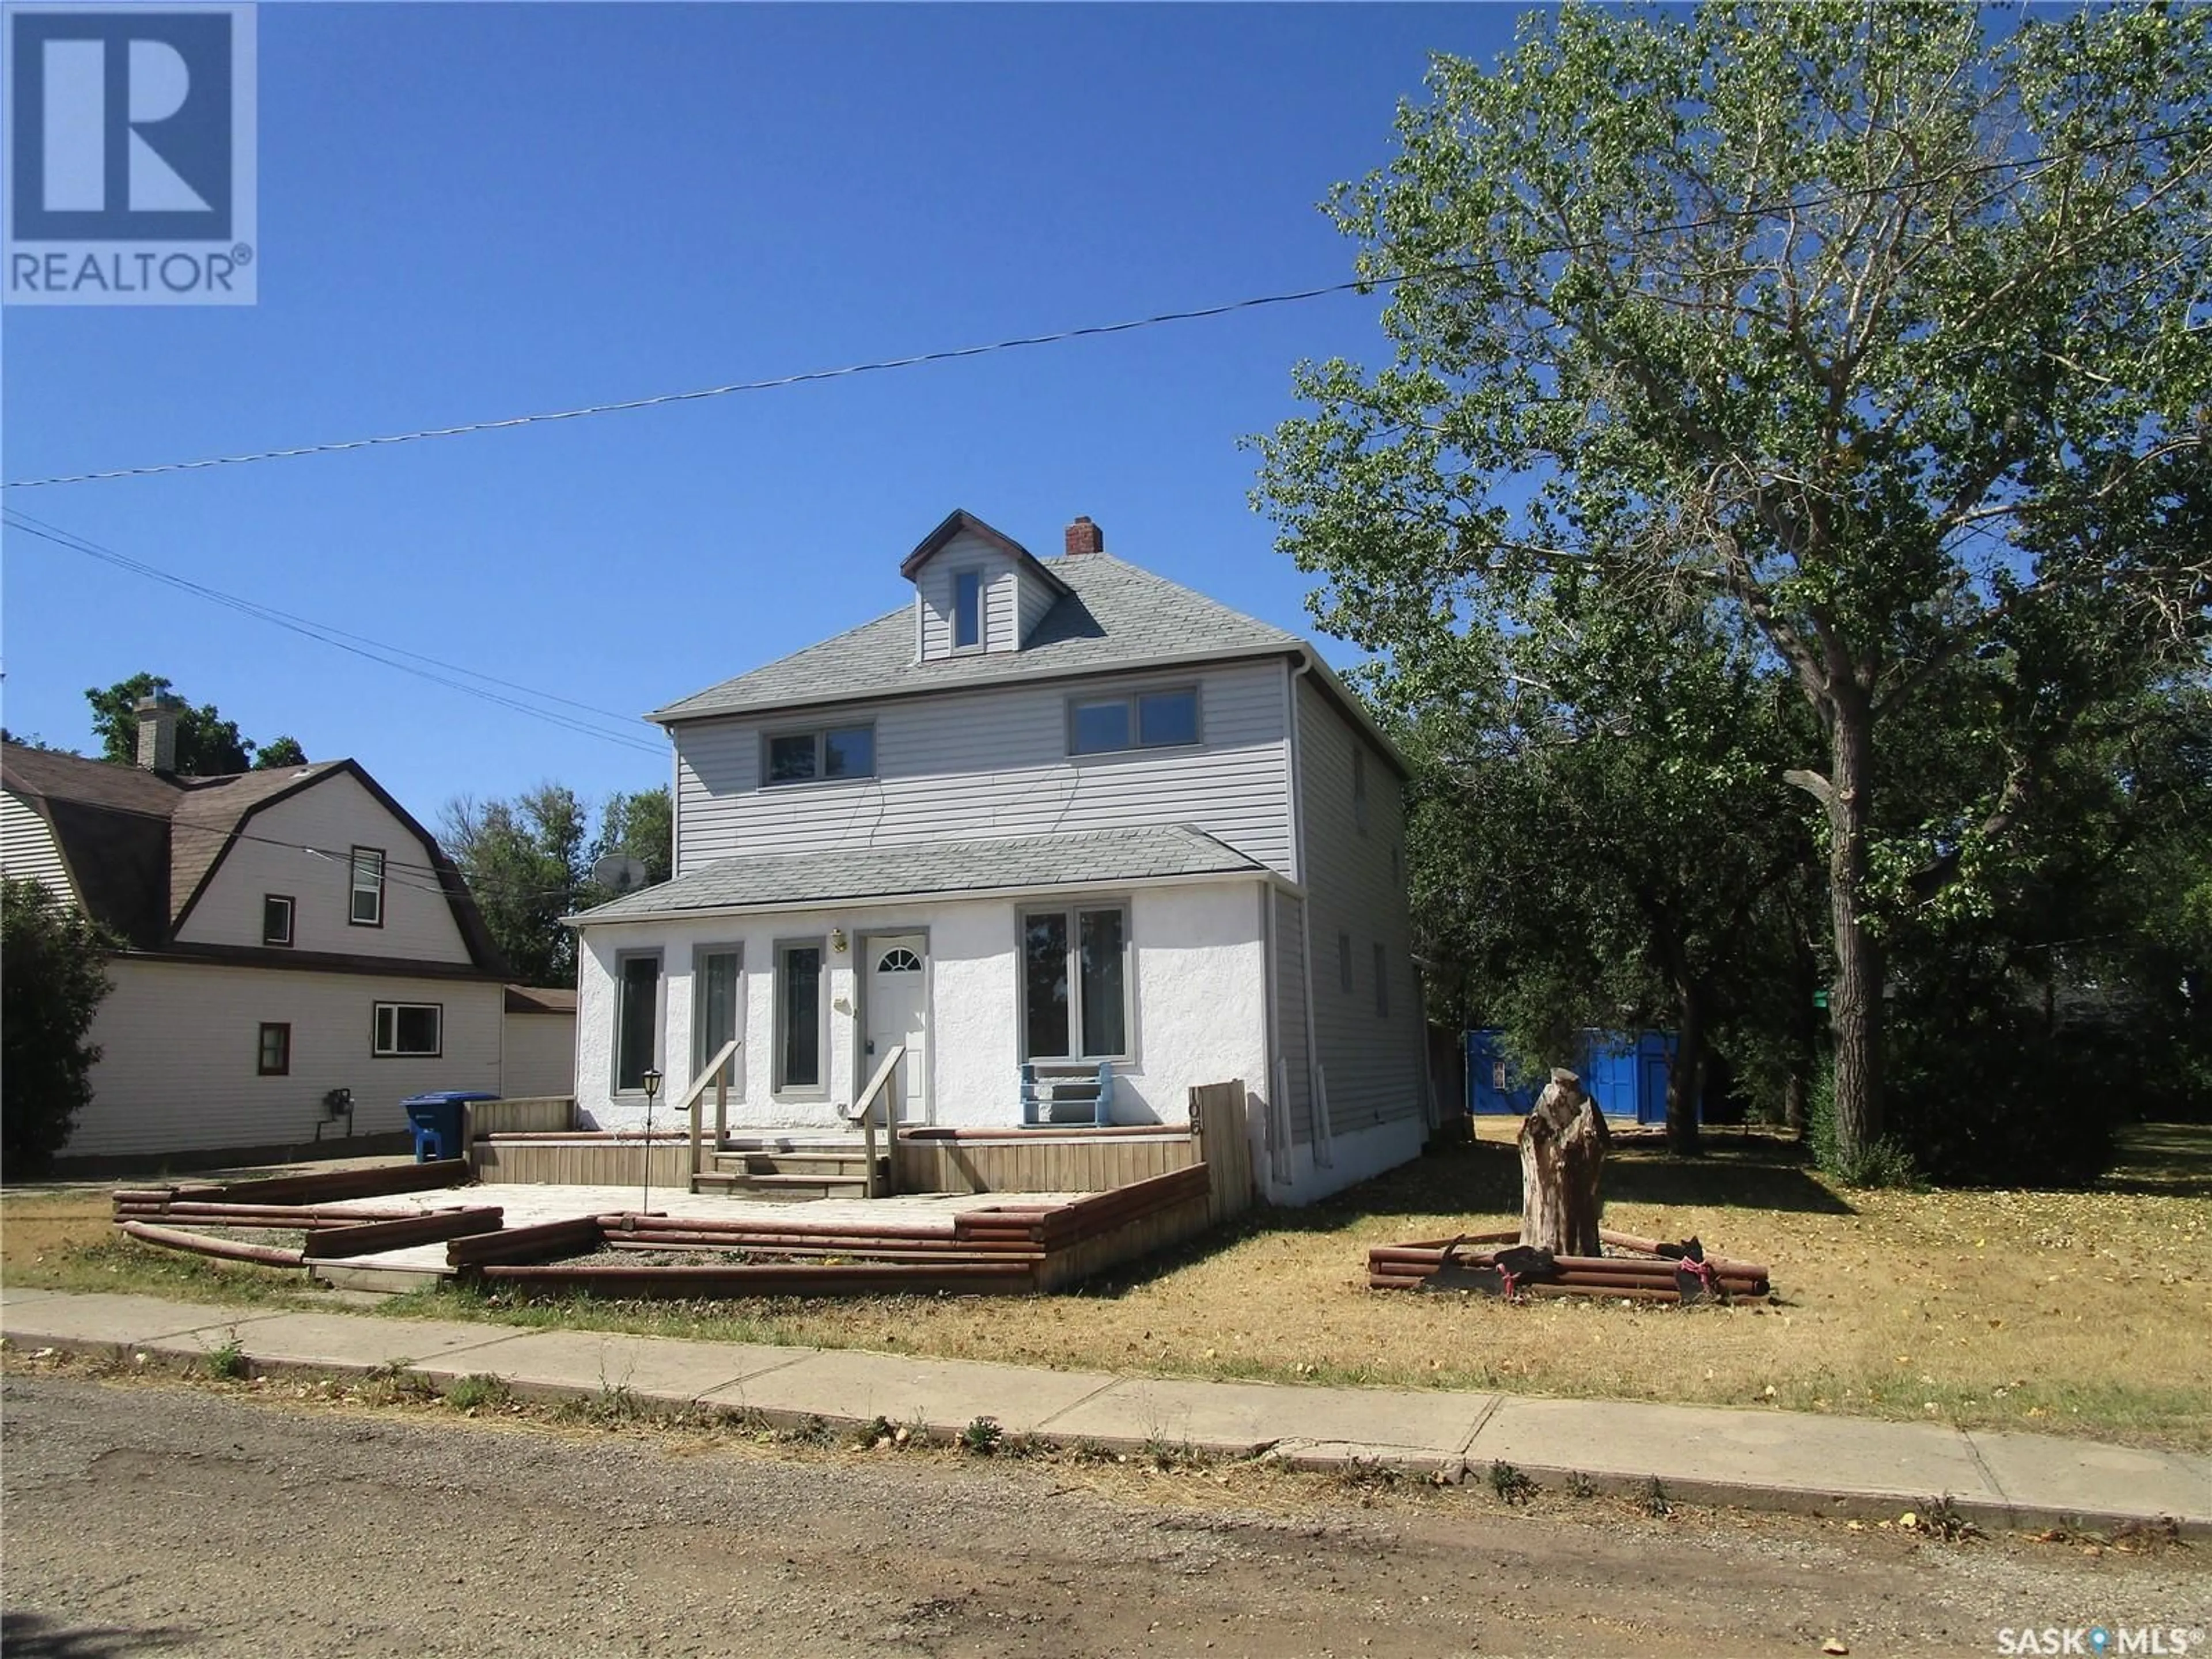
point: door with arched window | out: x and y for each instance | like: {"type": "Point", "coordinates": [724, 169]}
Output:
{"type": "Point", "coordinates": [897, 993]}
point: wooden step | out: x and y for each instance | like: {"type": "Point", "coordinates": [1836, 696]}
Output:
{"type": "Point", "coordinates": [737, 1183]}
{"type": "Point", "coordinates": [828, 1164]}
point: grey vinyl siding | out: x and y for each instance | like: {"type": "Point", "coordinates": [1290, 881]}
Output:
{"type": "Point", "coordinates": [1291, 1015]}
{"type": "Point", "coordinates": [28, 849]}
{"type": "Point", "coordinates": [1371, 1062]}
{"type": "Point", "coordinates": [1032, 599]}
{"type": "Point", "coordinates": [994, 762]}
{"type": "Point", "coordinates": [1001, 625]}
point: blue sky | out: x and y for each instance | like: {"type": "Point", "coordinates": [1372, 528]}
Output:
{"type": "Point", "coordinates": [469, 212]}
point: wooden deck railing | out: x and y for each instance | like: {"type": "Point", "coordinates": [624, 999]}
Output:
{"type": "Point", "coordinates": [878, 1088]}
{"type": "Point", "coordinates": [716, 1072]}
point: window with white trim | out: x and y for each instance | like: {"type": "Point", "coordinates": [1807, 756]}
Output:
{"type": "Point", "coordinates": [1075, 983]}
{"type": "Point", "coordinates": [408, 1030]}
{"type": "Point", "coordinates": [366, 902]}
{"type": "Point", "coordinates": [276, 918]}
{"type": "Point", "coordinates": [1142, 720]}
{"type": "Point", "coordinates": [842, 751]}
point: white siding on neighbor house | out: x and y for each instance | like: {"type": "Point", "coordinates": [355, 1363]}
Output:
{"type": "Point", "coordinates": [179, 1045]}
{"type": "Point", "coordinates": [1291, 1015]}
{"type": "Point", "coordinates": [1370, 1063]}
{"type": "Point", "coordinates": [335, 815]}
{"type": "Point", "coordinates": [1198, 1011]}
{"type": "Point", "coordinates": [934, 588]}
{"type": "Point", "coordinates": [540, 1055]}
{"type": "Point", "coordinates": [994, 762]}
{"type": "Point", "coordinates": [27, 849]}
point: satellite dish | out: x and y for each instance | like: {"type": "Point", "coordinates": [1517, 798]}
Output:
{"type": "Point", "coordinates": [619, 871]}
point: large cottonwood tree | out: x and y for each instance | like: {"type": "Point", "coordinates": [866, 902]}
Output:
{"type": "Point", "coordinates": [1885, 325]}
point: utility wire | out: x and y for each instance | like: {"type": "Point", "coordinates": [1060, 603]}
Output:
{"type": "Point", "coordinates": [1364, 284]}
{"type": "Point", "coordinates": [359, 645]}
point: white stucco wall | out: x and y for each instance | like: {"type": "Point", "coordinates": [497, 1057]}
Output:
{"type": "Point", "coordinates": [1198, 954]}
{"type": "Point", "coordinates": [180, 1043]}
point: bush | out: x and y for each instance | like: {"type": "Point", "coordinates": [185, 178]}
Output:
{"type": "Point", "coordinates": [1885, 1164]}
{"type": "Point", "coordinates": [51, 986]}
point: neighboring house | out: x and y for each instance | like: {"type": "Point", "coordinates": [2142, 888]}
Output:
{"type": "Point", "coordinates": [1049, 814]}
{"type": "Point", "coordinates": [538, 1052]}
{"type": "Point", "coordinates": [284, 934]}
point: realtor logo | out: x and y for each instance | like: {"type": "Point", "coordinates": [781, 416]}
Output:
{"type": "Point", "coordinates": [130, 167]}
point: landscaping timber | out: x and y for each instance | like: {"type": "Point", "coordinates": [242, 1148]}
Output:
{"type": "Point", "coordinates": [328, 1242]}
{"type": "Point", "coordinates": [231, 1250]}
{"type": "Point", "coordinates": [1638, 1270]}
{"type": "Point", "coordinates": [546, 1241]}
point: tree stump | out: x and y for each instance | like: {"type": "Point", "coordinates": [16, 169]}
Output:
{"type": "Point", "coordinates": [1563, 1144]}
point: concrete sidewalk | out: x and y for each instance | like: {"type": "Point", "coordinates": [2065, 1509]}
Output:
{"type": "Point", "coordinates": [1754, 1459]}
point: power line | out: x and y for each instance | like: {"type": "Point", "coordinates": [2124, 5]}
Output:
{"type": "Point", "coordinates": [1365, 284]}
{"type": "Point", "coordinates": [358, 645]}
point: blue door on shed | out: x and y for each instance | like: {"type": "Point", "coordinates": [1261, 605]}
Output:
{"type": "Point", "coordinates": [1625, 1075]}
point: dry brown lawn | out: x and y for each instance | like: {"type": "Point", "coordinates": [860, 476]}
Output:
{"type": "Point", "coordinates": [2065, 1311]}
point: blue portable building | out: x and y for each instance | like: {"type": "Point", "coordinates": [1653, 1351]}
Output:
{"type": "Point", "coordinates": [1625, 1073]}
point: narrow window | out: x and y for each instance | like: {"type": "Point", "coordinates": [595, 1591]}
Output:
{"type": "Point", "coordinates": [276, 918]}
{"type": "Point", "coordinates": [276, 1049]}
{"type": "Point", "coordinates": [1359, 787]}
{"type": "Point", "coordinates": [1382, 984]}
{"type": "Point", "coordinates": [637, 1019]}
{"type": "Point", "coordinates": [408, 1030]}
{"type": "Point", "coordinates": [967, 609]}
{"type": "Point", "coordinates": [1344, 962]}
{"type": "Point", "coordinates": [1104, 1005]}
{"type": "Point", "coordinates": [798, 1016]}
{"type": "Point", "coordinates": [367, 905]}
{"type": "Point", "coordinates": [1046, 1021]}
{"type": "Point", "coordinates": [715, 989]}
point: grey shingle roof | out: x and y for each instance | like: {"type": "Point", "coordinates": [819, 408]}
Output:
{"type": "Point", "coordinates": [955, 866]}
{"type": "Point", "coordinates": [1114, 616]}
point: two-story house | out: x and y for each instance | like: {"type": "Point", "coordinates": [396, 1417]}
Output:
{"type": "Point", "coordinates": [284, 934]}
{"type": "Point", "coordinates": [1046, 814]}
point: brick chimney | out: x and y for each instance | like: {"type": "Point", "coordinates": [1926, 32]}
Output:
{"type": "Point", "coordinates": [1085, 536]}
{"type": "Point", "coordinates": [157, 732]}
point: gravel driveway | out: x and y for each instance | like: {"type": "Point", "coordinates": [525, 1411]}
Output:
{"type": "Point", "coordinates": [144, 1518]}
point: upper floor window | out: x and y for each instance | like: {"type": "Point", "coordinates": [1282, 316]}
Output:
{"type": "Point", "coordinates": [276, 918]}
{"type": "Point", "coordinates": [367, 898]}
{"type": "Point", "coordinates": [1359, 787]}
{"type": "Point", "coordinates": [847, 751]}
{"type": "Point", "coordinates": [967, 609]}
{"type": "Point", "coordinates": [1144, 720]}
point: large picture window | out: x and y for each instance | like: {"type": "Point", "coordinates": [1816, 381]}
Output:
{"type": "Point", "coordinates": [845, 751]}
{"type": "Point", "coordinates": [1075, 984]}
{"type": "Point", "coordinates": [798, 1016]}
{"type": "Point", "coordinates": [637, 1019]}
{"type": "Point", "coordinates": [408, 1031]}
{"type": "Point", "coordinates": [1143, 720]}
{"type": "Point", "coordinates": [367, 903]}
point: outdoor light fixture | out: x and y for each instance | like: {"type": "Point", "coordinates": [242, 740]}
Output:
{"type": "Point", "coordinates": [651, 1081]}
{"type": "Point", "coordinates": [837, 940]}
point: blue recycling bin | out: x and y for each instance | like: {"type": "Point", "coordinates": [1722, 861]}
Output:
{"type": "Point", "coordinates": [436, 1120]}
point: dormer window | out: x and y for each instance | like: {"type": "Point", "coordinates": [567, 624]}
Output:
{"type": "Point", "coordinates": [967, 610]}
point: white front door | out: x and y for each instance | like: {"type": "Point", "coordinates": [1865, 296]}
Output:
{"type": "Point", "coordinates": [898, 1012]}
